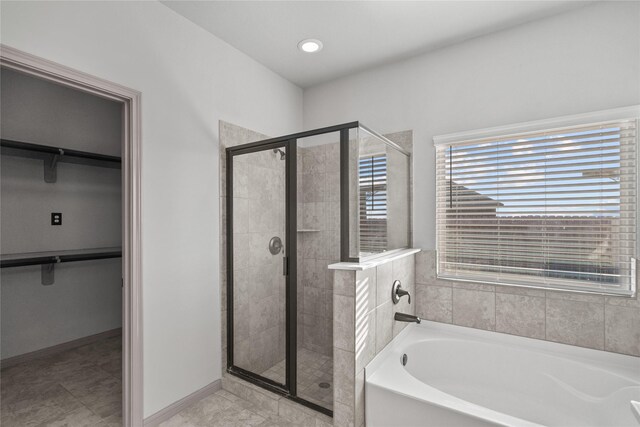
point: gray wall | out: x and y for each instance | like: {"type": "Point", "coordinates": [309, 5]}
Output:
{"type": "Point", "coordinates": [86, 296]}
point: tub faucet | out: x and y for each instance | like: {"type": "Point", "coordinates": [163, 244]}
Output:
{"type": "Point", "coordinates": [403, 317]}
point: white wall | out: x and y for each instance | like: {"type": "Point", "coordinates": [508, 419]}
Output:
{"type": "Point", "coordinates": [189, 80]}
{"type": "Point", "coordinates": [584, 60]}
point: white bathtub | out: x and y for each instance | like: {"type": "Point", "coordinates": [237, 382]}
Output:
{"type": "Point", "coordinates": [458, 376]}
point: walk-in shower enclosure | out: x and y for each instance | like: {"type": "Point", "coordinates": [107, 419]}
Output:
{"type": "Point", "coordinates": [295, 205]}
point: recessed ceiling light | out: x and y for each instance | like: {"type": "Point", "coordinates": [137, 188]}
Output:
{"type": "Point", "coordinates": [310, 45]}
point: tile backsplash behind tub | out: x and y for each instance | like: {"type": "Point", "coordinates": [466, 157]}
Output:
{"type": "Point", "coordinates": [585, 320]}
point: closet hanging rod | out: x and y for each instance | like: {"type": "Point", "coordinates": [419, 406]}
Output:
{"type": "Point", "coordinates": [55, 257]}
{"type": "Point", "coordinates": [47, 153]}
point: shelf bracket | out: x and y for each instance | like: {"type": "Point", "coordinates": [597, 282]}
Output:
{"type": "Point", "coordinates": [47, 273]}
{"type": "Point", "coordinates": [51, 167]}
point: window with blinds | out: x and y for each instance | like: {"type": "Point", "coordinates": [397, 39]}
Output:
{"type": "Point", "coordinates": [553, 209]}
{"type": "Point", "coordinates": [372, 174]}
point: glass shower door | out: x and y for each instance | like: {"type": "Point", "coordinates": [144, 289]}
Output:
{"type": "Point", "coordinates": [258, 267]}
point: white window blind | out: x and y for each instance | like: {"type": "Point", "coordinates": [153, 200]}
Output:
{"type": "Point", "coordinates": [372, 173]}
{"type": "Point", "coordinates": [554, 209]}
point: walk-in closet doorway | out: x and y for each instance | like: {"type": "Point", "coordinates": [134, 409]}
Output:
{"type": "Point", "coordinates": [27, 64]}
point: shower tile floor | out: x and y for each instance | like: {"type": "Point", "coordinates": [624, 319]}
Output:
{"type": "Point", "coordinates": [313, 369]}
{"type": "Point", "coordinates": [77, 387]}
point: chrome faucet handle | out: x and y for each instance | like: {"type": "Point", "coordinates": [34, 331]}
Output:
{"type": "Point", "coordinates": [397, 292]}
{"type": "Point", "coordinates": [401, 292]}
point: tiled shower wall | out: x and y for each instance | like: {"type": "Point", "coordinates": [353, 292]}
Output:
{"type": "Point", "coordinates": [319, 238]}
{"type": "Point", "coordinates": [396, 176]}
{"type": "Point", "coordinates": [593, 321]}
{"type": "Point", "coordinates": [318, 246]}
{"type": "Point", "coordinates": [260, 286]}
{"type": "Point", "coordinates": [318, 243]}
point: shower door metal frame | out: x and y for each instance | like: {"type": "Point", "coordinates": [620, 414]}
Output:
{"type": "Point", "coordinates": [289, 268]}
{"type": "Point", "coordinates": [289, 142]}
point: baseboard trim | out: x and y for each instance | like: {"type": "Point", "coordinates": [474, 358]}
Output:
{"type": "Point", "coordinates": [58, 348]}
{"type": "Point", "coordinates": [171, 410]}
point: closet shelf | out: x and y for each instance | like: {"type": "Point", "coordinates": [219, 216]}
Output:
{"type": "Point", "coordinates": [54, 257]}
{"type": "Point", "coordinates": [54, 155]}
{"type": "Point", "coordinates": [47, 260]}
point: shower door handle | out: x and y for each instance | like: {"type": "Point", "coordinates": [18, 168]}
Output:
{"type": "Point", "coordinates": [285, 265]}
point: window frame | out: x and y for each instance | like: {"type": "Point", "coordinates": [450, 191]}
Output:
{"type": "Point", "coordinates": [547, 125]}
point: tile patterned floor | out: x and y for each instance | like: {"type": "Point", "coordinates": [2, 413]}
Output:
{"type": "Point", "coordinates": [223, 409]}
{"type": "Point", "coordinates": [78, 387]}
{"type": "Point", "coordinates": [82, 387]}
{"type": "Point", "coordinates": [313, 369]}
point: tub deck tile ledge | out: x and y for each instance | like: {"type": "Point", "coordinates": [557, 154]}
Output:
{"type": "Point", "coordinates": [365, 265]}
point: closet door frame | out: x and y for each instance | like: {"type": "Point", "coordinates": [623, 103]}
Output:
{"type": "Point", "coordinates": [132, 380]}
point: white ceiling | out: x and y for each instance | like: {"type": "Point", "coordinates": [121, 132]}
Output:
{"type": "Point", "coordinates": [356, 34]}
